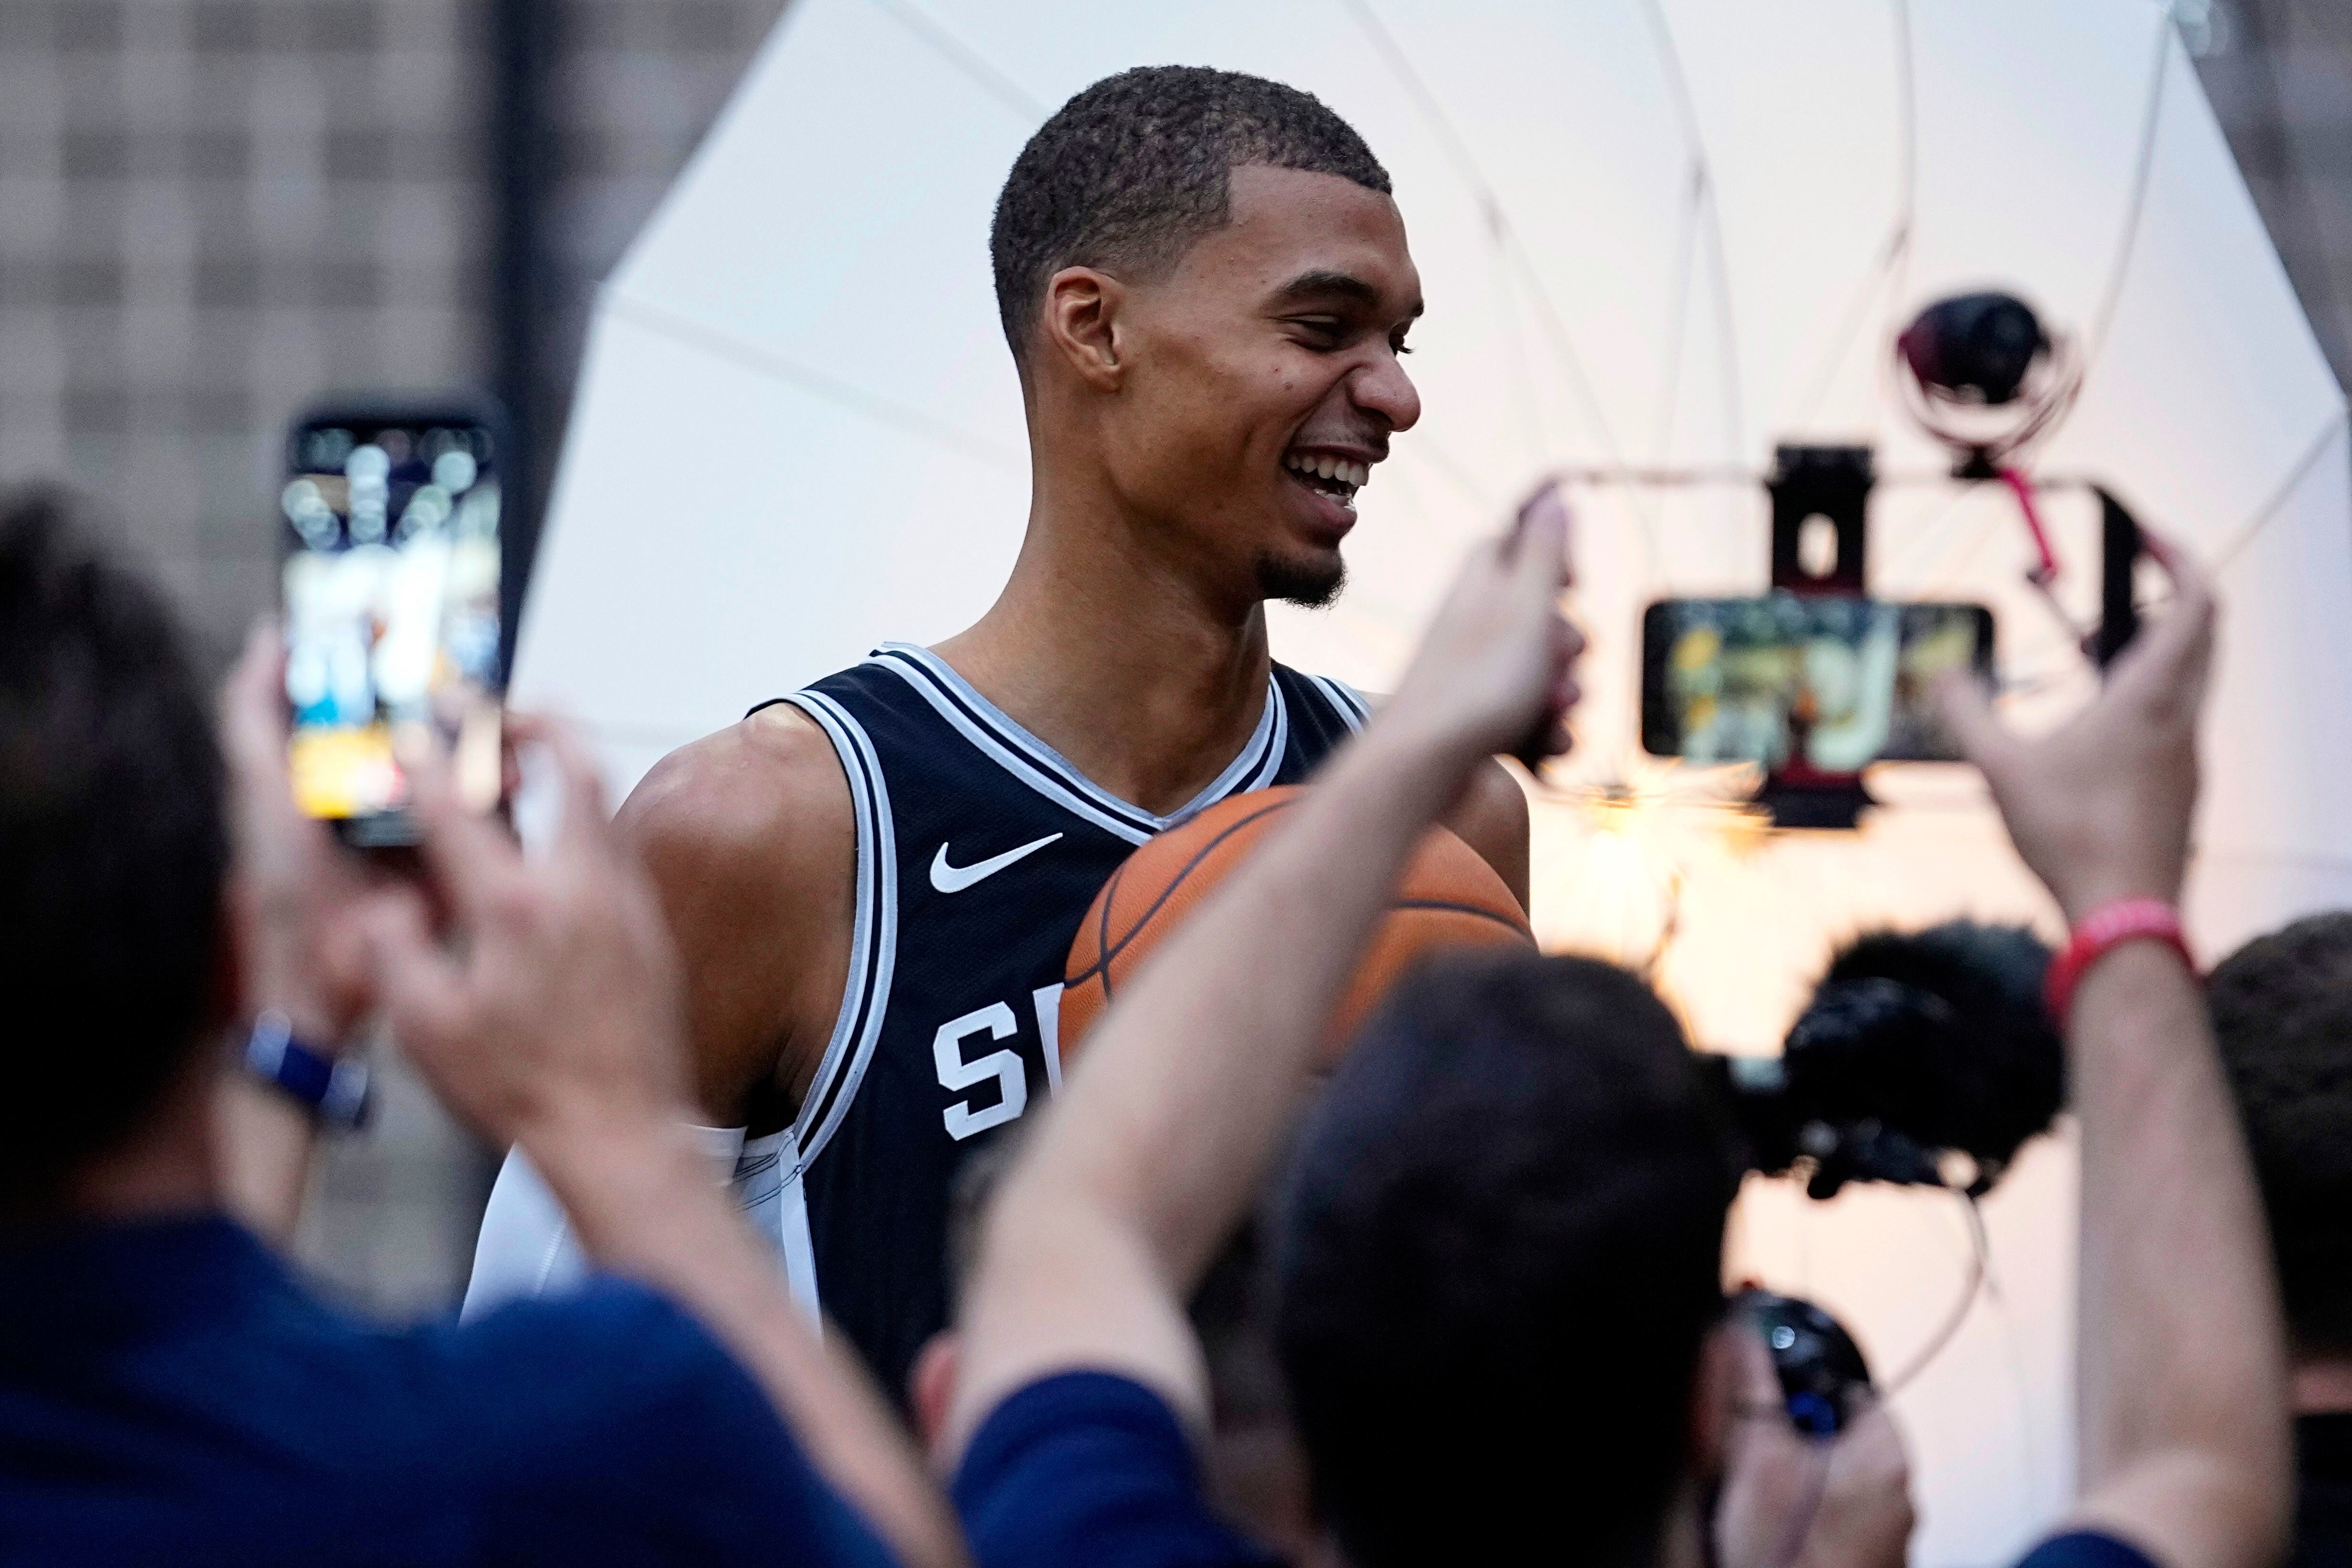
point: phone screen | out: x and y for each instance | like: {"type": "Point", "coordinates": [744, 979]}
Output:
{"type": "Point", "coordinates": [1814, 683]}
{"type": "Point", "coordinates": [391, 604]}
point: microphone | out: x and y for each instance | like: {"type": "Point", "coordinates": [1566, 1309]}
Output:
{"type": "Point", "coordinates": [1925, 1058]}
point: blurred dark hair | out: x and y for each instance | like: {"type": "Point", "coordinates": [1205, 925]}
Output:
{"type": "Point", "coordinates": [2282, 1009]}
{"type": "Point", "coordinates": [1500, 1250]}
{"type": "Point", "coordinates": [113, 850]}
{"type": "Point", "coordinates": [1133, 170]}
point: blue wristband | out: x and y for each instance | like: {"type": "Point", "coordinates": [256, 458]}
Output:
{"type": "Point", "coordinates": [334, 1090]}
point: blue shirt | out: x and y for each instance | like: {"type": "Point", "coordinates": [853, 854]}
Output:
{"type": "Point", "coordinates": [1084, 1469]}
{"type": "Point", "coordinates": [1088, 1470]}
{"type": "Point", "coordinates": [169, 1394]}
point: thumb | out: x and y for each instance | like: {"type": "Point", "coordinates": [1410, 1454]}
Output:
{"type": "Point", "coordinates": [1967, 712]}
{"type": "Point", "coordinates": [1538, 539]}
{"type": "Point", "coordinates": [253, 711]}
{"type": "Point", "coordinates": [1759, 1381]}
{"type": "Point", "coordinates": [422, 989]}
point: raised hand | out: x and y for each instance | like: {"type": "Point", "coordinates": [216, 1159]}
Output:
{"type": "Point", "coordinates": [1495, 670]}
{"type": "Point", "coordinates": [302, 902]}
{"type": "Point", "coordinates": [1789, 1500]}
{"type": "Point", "coordinates": [2100, 808]}
{"type": "Point", "coordinates": [562, 1009]}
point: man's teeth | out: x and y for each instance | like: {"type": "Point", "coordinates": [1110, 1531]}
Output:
{"type": "Point", "coordinates": [1352, 475]}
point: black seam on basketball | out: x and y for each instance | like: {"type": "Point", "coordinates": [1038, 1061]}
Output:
{"type": "Point", "coordinates": [1108, 896]}
{"type": "Point", "coordinates": [1445, 906]}
{"type": "Point", "coordinates": [1106, 952]}
{"type": "Point", "coordinates": [1173, 883]}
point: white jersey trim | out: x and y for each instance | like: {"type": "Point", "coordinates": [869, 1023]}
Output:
{"type": "Point", "coordinates": [773, 1198]}
{"type": "Point", "coordinates": [1004, 741]}
{"type": "Point", "coordinates": [873, 936]}
{"type": "Point", "coordinates": [1346, 701]}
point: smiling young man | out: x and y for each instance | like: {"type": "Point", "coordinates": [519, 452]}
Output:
{"type": "Point", "coordinates": [874, 881]}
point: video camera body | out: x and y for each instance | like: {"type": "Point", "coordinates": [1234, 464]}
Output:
{"type": "Point", "coordinates": [1924, 1059]}
{"type": "Point", "coordinates": [1819, 1367]}
{"type": "Point", "coordinates": [1916, 1047]}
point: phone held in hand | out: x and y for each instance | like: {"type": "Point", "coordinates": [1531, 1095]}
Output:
{"type": "Point", "coordinates": [1819, 1367]}
{"type": "Point", "coordinates": [388, 576]}
{"type": "Point", "coordinates": [1817, 683]}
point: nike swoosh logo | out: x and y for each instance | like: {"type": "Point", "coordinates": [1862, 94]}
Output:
{"type": "Point", "coordinates": [950, 878]}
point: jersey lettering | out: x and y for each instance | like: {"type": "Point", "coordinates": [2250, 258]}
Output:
{"type": "Point", "coordinates": [957, 1074]}
{"type": "Point", "coordinates": [1047, 1000]}
{"type": "Point", "coordinates": [979, 850]}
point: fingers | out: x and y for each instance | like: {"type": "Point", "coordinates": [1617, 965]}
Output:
{"type": "Point", "coordinates": [422, 991]}
{"type": "Point", "coordinates": [253, 708]}
{"type": "Point", "coordinates": [467, 856]}
{"type": "Point", "coordinates": [1538, 543]}
{"type": "Point", "coordinates": [1760, 1385]}
{"type": "Point", "coordinates": [1967, 712]}
{"type": "Point", "coordinates": [2173, 651]}
{"type": "Point", "coordinates": [585, 814]}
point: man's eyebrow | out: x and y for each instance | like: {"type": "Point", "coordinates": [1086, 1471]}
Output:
{"type": "Point", "coordinates": [1324, 284]}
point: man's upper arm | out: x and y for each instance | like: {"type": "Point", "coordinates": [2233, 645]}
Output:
{"type": "Point", "coordinates": [1492, 819]}
{"type": "Point", "coordinates": [749, 839]}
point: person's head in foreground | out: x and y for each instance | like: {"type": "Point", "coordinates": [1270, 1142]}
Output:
{"type": "Point", "coordinates": [2281, 1008]}
{"type": "Point", "coordinates": [169, 1391]}
{"type": "Point", "coordinates": [1500, 1259]}
{"type": "Point", "coordinates": [1206, 287]}
{"type": "Point", "coordinates": [113, 856]}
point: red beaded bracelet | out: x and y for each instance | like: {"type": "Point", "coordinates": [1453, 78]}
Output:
{"type": "Point", "coordinates": [2100, 933]}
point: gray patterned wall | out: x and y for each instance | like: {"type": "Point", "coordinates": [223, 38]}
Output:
{"type": "Point", "coordinates": [2280, 74]}
{"type": "Point", "coordinates": [211, 211]}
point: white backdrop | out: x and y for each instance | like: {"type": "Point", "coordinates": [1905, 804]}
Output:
{"type": "Point", "coordinates": [1670, 232]}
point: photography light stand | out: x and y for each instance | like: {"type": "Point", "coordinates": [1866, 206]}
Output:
{"type": "Point", "coordinates": [1980, 374]}
{"type": "Point", "coordinates": [1819, 546]}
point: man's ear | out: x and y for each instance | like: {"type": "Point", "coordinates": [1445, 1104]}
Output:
{"type": "Point", "coordinates": [1079, 325]}
{"type": "Point", "coordinates": [1718, 1385]}
{"type": "Point", "coordinates": [931, 1386]}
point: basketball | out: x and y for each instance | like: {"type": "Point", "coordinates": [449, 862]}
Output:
{"type": "Point", "coordinates": [1449, 897]}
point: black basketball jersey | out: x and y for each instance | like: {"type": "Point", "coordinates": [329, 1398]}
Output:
{"type": "Point", "coordinates": [978, 850]}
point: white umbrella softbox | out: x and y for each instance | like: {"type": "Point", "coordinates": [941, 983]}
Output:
{"type": "Point", "coordinates": [1653, 234]}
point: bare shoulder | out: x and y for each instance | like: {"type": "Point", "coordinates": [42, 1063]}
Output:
{"type": "Point", "coordinates": [752, 845]}
{"type": "Point", "coordinates": [746, 801]}
{"type": "Point", "coordinates": [1492, 819]}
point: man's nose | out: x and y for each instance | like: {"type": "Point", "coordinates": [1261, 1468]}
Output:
{"type": "Point", "coordinates": [1382, 387]}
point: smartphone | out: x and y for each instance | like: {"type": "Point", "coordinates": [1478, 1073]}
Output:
{"type": "Point", "coordinates": [389, 574]}
{"type": "Point", "coordinates": [1803, 682]}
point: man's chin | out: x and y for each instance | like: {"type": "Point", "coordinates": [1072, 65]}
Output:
{"type": "Point", "coordinates": [1309, 584]}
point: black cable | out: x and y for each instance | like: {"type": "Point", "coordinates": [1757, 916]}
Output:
{"type": "Point", "coordinates": [1981, 1263]}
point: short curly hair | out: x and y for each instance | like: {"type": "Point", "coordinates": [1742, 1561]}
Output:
{"type": "Point", "coordinates": [2282, 1010]}
{"type": "Point", "coordinates": [1135, 169]}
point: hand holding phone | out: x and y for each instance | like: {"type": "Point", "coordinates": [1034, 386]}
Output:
{"type": "Point", "coordinates": [1818, 683]}
{"type": "Point", "coordinates": [390, 573]}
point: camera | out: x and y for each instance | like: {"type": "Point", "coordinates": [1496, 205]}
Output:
{"type": "Point", "coordinates": [1819, 1365]}
{"type": "Point", "coordinates": [1924, 1059]}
